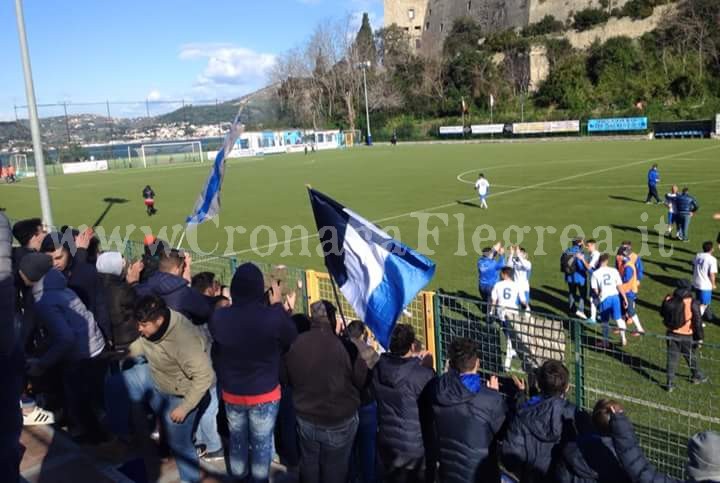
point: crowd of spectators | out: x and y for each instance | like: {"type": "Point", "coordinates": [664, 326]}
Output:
{"type": "Point", "coordinates": [115, 349]}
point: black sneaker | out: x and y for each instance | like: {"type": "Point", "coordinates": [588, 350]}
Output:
{"type": "Point", "coordinates": [700, 380]}
{"type": "Point", "coordinates": [669, 388]}
{"type": "Point", "coordinates": [214, 456]}
{"type": "Point", "coordinates": [201, 450]}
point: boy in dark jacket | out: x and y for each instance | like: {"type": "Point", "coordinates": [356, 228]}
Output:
{"type": "Point", "coordinates": [399, 378]}
{"type": "Point", "coordinates": [467, 416]}
{"type": "Point", "coordinates": [249, 340]}
{"type": "Point", "coordinates": [703, 455]}
{"type": "Point", "coordinates": [592, 458]}
{"type": "Point", "coordinates": [30, 235]}
{"type": "Point", "coordinates": [172, 283]}
{"type": "Point", "coordinates": [540, 427]}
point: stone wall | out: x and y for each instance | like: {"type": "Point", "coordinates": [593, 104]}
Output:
{"type": "Point", "coordinates": [564, 9]}
{"type": "Point", "coordinates": [617, 27]}
{"type": "Point", "coordinates": [408, 15]}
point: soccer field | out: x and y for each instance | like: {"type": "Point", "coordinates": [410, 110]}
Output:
{"type": "Point", "coordinates": [423, 194]}
{"type": "Point", "coordinates": [538, 190]}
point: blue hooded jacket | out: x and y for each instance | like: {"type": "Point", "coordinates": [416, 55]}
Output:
{"type": "Point", "coordinates": [177, 295]}
{"type": "Point", "coordinates": [536, 434]}
{"type": "Point", "coordinates": [580, 275]}
{"type": "Point", "coordinates": [73, 331]}
{"type": "Point", "coordinates": [489, 270]}
{"type": "Point", "coordinates": [467, 424]}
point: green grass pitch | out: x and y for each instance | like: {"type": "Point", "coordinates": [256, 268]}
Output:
{"type": "Point", "coordinates": [543, 184]}
{"type": "Point", "coordinates": [554, 184]}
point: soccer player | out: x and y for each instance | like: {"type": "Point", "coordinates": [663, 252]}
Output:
{"type": "Point", "coordinates": [591, 264]}
{"type": "Point", "coordinates": [631, 285]}
{"type": "Point", "coordinates": [671, 206]}
{"type": "Point", "coordinates": [522, 269]}
{"type": "Point", "coordinates": [653, 178]}
{"type": "Point", "coordinates": [705, 268]}
{"type": "Point", "coordinates": [149, 196]}
{"type": "Point", "coordinates": [507, 298]}
{"type": "Point", "coordinates": [573, 265]}
{"type": "Point", "coordinates": [482, 186]}
{"type": "Point", "coordinates": [489, 265]}
{"type": "Point", "coordinates": [608, 292]}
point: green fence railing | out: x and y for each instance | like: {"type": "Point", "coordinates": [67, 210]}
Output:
{"type": "Point", "coordinates": [634, 375]}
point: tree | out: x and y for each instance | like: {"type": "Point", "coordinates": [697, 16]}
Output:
{"type": "Point", "coordinates": [364, 43]}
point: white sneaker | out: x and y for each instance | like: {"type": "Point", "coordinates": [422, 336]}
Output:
{"type": "Point", "coordinates": [38, 416]}
{"type": "Point", "coordinates": [581, 315]}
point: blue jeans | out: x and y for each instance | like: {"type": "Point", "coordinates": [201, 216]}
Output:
{"type": "Point", "coordinates": [140, 388]}
{"type": "Point", "coordinates": [364, 461]}
{"type": "Point", "coordinates": [251, 439]}
{"type": "Point", "coordinates": [325, 450]}
{"type": "Point", "coordinates": [207, 431]}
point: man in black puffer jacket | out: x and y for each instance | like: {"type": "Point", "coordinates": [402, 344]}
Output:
{"type": "Point", "coordinates": [592, 458]}
{"type": "Point", "coordinates": [703, 455]}
{"type": "Point", "coordinates": [399, 379]}
{"type": "Point", "coordinates": [117, 281]}
{"type": "Point", "coordinates": [467, 417]}
{"type": "Point", "coordinates": [540, 427]}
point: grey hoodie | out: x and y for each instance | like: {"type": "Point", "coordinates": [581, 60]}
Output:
{"type": "Point", "coordinates": [71, 327]}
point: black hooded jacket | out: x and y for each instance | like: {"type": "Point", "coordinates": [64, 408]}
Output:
{"type": "Point", "coordinates": [590, 459]}
{"type": "Point", "coordinates": [398, 383]}
{"type": "Point", "coordinates": [466, 425]}
{"type": "Point", "coordinates": [535, 435]}
{"type": "Point", "coordinates": [120, 300]}
{"type": "Point", "coordinates": [249, 337]}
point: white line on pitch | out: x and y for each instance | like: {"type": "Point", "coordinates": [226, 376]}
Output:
{"type": "Point", "coordinates": [454, 203]}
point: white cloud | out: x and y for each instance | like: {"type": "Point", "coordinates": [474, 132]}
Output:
{"type": "Point", "coordinates": [153, 95]}
{"type": "Point", "coordinates": [229, 65]}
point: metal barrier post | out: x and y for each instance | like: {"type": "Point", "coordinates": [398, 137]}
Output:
{"type": "Point", "coordinates": [579, 364]}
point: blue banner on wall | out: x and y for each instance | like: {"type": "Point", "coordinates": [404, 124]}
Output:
{"type": "Point", "coordinates": [618, 124]}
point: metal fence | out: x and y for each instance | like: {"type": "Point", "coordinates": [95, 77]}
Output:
{"type": "Point", "coordinates": [635, 375]}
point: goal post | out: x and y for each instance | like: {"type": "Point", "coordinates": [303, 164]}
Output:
{"type": "Point", "coordinates": [156, 154]}
{"type": "Point", "coordinates": [20, 162]}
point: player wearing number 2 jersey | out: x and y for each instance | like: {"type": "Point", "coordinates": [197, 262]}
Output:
{"type": "Point", "coordinates": [608, 293]}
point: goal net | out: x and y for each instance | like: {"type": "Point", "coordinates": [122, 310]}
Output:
{"type": "Point", "coordinates": [171, 153]}
{"type": "Point", "coordinates": [20, 162]}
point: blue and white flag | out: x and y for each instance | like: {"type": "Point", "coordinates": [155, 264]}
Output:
{"type": "Point", "coordinates": [208, 203]}
{"type": "Point", "coordinates": [378, 275]}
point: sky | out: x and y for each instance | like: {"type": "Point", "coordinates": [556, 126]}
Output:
{"type": "Point", "coordinates": [132, 50]}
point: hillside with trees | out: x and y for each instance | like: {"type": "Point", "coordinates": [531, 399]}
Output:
{"type": "Point", "coordinates": [672, 72]}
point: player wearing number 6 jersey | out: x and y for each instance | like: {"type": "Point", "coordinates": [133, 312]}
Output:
{"type": "Point", "coordinates": [507, 298]}
{"type": "Point", "coordinates": [610, 298]}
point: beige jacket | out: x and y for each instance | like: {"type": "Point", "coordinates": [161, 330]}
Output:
{"type": "Point", "coordinates": [179, 361]}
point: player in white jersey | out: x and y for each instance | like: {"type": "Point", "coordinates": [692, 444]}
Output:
{"type": "Point", "coordinates": [522, 269]}
{"type": "Point", "coordinates": [507, 299]}
{"type": "Point", "coordinates": [482, 186]}
{"type": "Point", "coordinates": [592, 263]}
{"type": "Point", "coordinates": [705, 268]}
{"type": "Point", "coordinates": [607, 291]}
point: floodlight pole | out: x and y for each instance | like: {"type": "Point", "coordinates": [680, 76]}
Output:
{"type": "Point", "coordinates": [364, 66]}
{"type": "Point", "coordinates": [45, 206]}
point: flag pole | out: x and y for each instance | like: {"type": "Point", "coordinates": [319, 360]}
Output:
{"type": "Point", "coordinates": [337, 301]}
{"type": "Point", "coordinates": [182, 238]}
